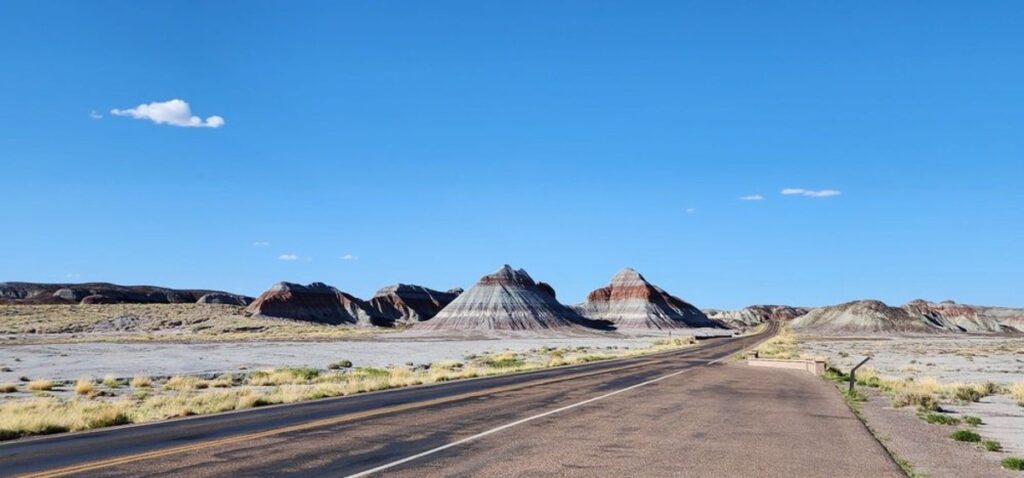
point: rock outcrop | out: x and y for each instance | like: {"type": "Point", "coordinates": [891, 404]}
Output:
{"type": "Point", "coordinates": [507, 300]}
{"type": "Point", "coordinates": [755, 315]}
{"type": "Point", "coordinates": [410, 303]}
{"type": "Point", "coordinates": [630, 302]}
{"type": "Point", "coordinates": [100, 293]}
{"type": "Point", "coordinates": [226, 299]}
{"type": "Point", "coordinates": [316, 302]}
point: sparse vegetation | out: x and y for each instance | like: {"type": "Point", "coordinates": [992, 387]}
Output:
{"type": "Point", "coordinates": [39, 385]}
{"type": "Point", "coordinates": [31, 323]}
{"type": "Point", "coordinates": [972, 420]}
{"type": "Point", "coordinates": [181, 396]}
{"type": "Point", "coordinates": [991, 445]}
{"type": "Point", "coordinates": [8, 388]}
{"type": "Point", "coordinates": [784, 345]}
{"type": "Point", "coordinates": [85, 386]}
{"type": "Point", "coordinates": [111, 381]}
{"type": "Point", "coordinates": [966, 436]}
{"type": "Point", "coordinates": [1013, 463]}
{"type": "Point", "coordinates": [940, 419]}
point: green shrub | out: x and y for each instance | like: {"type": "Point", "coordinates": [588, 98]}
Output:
{"type": "Point", "coordinates": [940, 419]}
{"type": "Point", "coordinates": [991, 445]}
{"type": "Point", "coordinates": [1013, 463]}
{"type": "Point", "coordinates": [836, 375]}
{"type": "Point", "coordinates": [966, 435]}
{"type": "Point", "coordinates": [972, 421]}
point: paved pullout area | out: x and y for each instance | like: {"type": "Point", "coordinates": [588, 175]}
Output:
{"type": "Point", "coordinates": [684, 413]}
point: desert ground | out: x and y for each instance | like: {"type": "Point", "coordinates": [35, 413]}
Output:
{"type": "Point", "coordinates": [949, 383]}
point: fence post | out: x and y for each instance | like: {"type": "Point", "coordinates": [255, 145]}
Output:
{"type": "Point", "coordinates": [853, 373]}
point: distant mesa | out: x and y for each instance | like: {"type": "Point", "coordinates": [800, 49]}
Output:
{"type": "Point", "coordinates": [632, 303]}
{"type": "Point", "coordinates": [102, 293]}
{"type": "Point", "coordinates": [507, 300]}
{"type": "Point", "coordinates": [405, 303]}
{"type": "Point", "coordinates": [872, 317]}
{"type": "Point", "coordinates": [754, 315]}
{"type": "Point", "coordinates": [316, 302]}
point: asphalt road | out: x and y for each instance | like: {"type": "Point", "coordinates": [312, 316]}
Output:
{"type": "Point", "coordinates": [630, 417]}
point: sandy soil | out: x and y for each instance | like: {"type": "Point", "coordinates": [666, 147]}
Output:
{"type": "Point", "coordinates": [965, 359]}
{"type": "Point", "coordinates": [70, 361]}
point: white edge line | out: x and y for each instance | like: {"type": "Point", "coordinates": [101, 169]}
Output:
{"type": "Point", "coordinates": [509, 425]}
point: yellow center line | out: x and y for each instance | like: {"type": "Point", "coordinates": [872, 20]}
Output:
{"type": "Point", "coordinates": [314, 424]}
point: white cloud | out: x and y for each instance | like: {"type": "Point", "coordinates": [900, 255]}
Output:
{"type": "Point", "coordinates": [94, 115]}
{"type": "Point", "coordinates": [72, 275]}
{"type": "Point", "coordinates": [349, 257]}
{"type": "Point", "coordinates": [261, 243]}
{"type": "Point", "coordinates": [288, 257]}
{"type": "Point", "coordinates": [822, 193]}
{"type": "Point", "coordinates": [752, 197]}
{"type": "Point", "coordinates": [174, 112]}
{"type": "Point", "coordinates": [691, 210]}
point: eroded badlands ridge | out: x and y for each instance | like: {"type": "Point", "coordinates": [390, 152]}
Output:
{"type": "Point", "coordinates": [106, 293]}
{"type": "Point", "coordinates": [916, 317]}
{"type": "Point", "coordinates": [630, 302]}
{"type": "Point", "coordinates": [410, 303]}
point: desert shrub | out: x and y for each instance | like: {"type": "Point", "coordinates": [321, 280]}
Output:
{"type": "Point", "coordinates": [141, 381]}
{"type": "Point", "coordinates": [940, 419]}
{"type": "Point", "coordinates": [111, 381]}
{"type": "Point", "coordinates": [302, 373]}
{"type": "Point", "coordinates": [85, 386]}
{"type": "Point", "coordinates": [972, 421]}
{"type": "Point", "coordinates": [339, 365]}
{"type": "Point", "coordinates": [966, 393]}
{"type": "Point", "coordinates": [1013, 463]}
{"type": "Point", "coordinates": [504, 360]}
{"type": "Point", "coordinates": [925, 402]}
{"type": "Point", "coordinates": [966, 435]}
{"type": "Point", "coordinates": [222, 381]}
{"type": "Point", "coordinates": [40, 385]}
{"type": "Point", "coordinates": [1017, 391]}
{"type": "Point", "coordinates": [8, 388]}
{"type": "Point", "coordinates": [991, 445]}
{"type": "Point", "coordinates": [181, 383]}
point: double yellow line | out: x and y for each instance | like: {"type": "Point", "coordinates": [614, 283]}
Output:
{"type": "Point", "coordinates": [106, 463]}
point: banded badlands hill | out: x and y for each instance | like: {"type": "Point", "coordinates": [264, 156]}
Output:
{"type": "Point", "coordinates": [631, 303]}
{"type": "Point", "coordinates": [507, 300]}
{"type": "Point", "coordinates": [410, 303]}
{"type": "Point", "coordinates": [321, 303]}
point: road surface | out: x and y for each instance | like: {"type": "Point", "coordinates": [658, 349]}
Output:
{"type": "Point", "coordinates": [683, 413]}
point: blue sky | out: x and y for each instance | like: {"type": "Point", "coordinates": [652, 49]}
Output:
{"type": "Point", "coordinates": [431, 142]}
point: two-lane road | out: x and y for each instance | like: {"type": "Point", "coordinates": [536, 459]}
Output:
{"type": "Point", "coordinates": [462, 424]}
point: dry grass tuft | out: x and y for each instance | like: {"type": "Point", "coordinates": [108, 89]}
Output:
{"type": "Point", "coordinates": [141, 381]}
{"type": "Point", "coordinates": [8, 388]}
{"type": "Point", "coordinates": [85, 386]}
{"type": "Point", "coordinates": [40, 385]}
